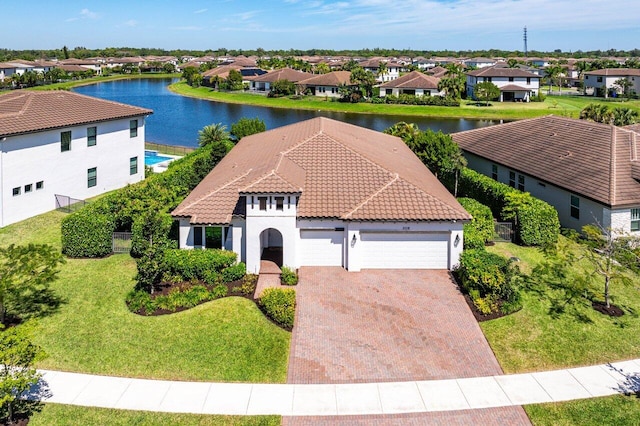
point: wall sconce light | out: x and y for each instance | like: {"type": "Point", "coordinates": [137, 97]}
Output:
{"type": "Point", "coordinates": [456, 241]}
{"type": "Point", "coordinates": [353, 240]}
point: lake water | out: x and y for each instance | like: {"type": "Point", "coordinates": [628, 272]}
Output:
{"type": "Point", "coordinates": [177, 119]}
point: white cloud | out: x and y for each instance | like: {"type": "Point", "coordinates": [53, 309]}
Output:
{"type": "Point", "coordinates": [86, 13]}
{"type": "Point", "coordinates": [197, 12]}
{"type": "Point", "coordinates": [130, 23]}
{"type": "Point", "coordinates": [186, 28]}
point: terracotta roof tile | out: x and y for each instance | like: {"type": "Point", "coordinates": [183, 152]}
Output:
{"type": "Point", "coordinates": [282, 74]}
{"type": "Point", "coordinates": [24, 111]}
{"type": "Point", "coordinates": [334, 78]}
{"type": "Point", "coordinates": [342, 171]}
{"type": "Point", "coordinates": [413, 80]}
{"type": "Point", "coordinates": [501, 72]}
{"type": "Point", "coordinates": [590, 159]}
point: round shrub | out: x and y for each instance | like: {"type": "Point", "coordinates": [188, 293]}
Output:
{"type": "Point", "coordinates": [480, 230]}
{"type": "Point", "coordinates": [288, 276]}
{"type": "Point", "coordinates": [234, 272]}
{"type": "Point", "coordinates": [279, 304]}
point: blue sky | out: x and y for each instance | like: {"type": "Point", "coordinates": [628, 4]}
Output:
{"type": "Point", "coordinates": [569, 25]}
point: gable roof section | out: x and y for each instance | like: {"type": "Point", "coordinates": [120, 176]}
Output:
{"type": "Point", "coordinates": [341, 171]}
{"type": "Point", "coordinates": [282, 74]}
{"type": "Point", "coordinates": [24, 111]}
{"type": "Point", "coordinates": [615, 72]}
{"type": "Point", "coordinates": [413, 80]}
{"type": "Point", "coordinates": [589, 159]}
{"type": "Point", "coordinates": [334, 78]}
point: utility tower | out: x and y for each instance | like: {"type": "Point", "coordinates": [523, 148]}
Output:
{"type": "Point", "coordinates": [525, 42]}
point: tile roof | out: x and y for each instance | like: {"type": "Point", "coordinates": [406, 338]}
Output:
{"type": "Point", "coordinates": [282, 74]}
{"type": "Point", "coordinates": [23, 111]}
{"type": "Point", "coordinates": [341, 171]}
{"type": "Point", "coordinates": [413, 80]}
{"type": "Point", "coordinates": [513, 88]}
{"type": "Point", "coordinates": [334, 78]}
{"type": "Point", "coordinates": [616, 72]}
{"type": "Point", "coordinates": [590, 159]}
{"type": "Point", "coordinates": [501, 72]}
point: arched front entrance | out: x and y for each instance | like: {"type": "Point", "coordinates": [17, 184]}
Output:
{"type": "Point", "coordinates": [271, 246]}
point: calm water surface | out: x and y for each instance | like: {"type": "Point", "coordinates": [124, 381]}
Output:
{"type": "Point", "coordinates": [177, 119]}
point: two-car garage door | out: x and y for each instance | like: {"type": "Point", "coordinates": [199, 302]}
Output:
{"type": "Point", "coordinates": [394, 250]}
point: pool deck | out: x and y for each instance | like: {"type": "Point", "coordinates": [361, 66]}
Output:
{"type": "Point", "coordinates": [162, 166]}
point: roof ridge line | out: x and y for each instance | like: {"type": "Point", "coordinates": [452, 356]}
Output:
{"type": "Point", "coordinates": [396, 177]}
{"type": "Point", "coordinates": [612, 166]}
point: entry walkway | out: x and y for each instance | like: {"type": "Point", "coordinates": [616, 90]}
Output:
{"type": "Point", "coordinates": [340, 399]}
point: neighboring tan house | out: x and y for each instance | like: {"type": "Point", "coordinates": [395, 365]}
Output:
{"type": "Point", "coordinates": [327, 84]}
{"type": "Point", "coordinates": [325, 193]}
{"type": "Point", "coordinates": [602, 82]}
{"type": "Point", "coordinates": [514, 84]}
{"type": "Point", "coordinates": [589, 172]}
{"type": "Point", "coordinates": [262, 83]}
{"type": "Point", "coordinates": [63, 143]}
{"type": "Point", "coordinates": [222, 73]}
{"type": "Point", "coordinates": [414, 83]}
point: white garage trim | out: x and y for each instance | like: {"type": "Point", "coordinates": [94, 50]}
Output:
{"type": "Point", "coordinates": [321, 247]}
{"type": "Point", "coordinates": [404, 250]}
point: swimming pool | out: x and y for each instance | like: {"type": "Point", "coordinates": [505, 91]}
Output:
{"type": "Point", "coordinates": [152, 157]}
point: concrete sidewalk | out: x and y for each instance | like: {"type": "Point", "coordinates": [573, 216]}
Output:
{"type": "Point", "coordinates": [341, 399]}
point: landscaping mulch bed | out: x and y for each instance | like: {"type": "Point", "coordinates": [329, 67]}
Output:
{"type": "Point", "coordinates": [612, 310]}
{"type": "Point", "coordinates": [479, 316]}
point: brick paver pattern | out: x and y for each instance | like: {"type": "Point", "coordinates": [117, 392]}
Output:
{"type": "Point", "coordinates": [389, 325]}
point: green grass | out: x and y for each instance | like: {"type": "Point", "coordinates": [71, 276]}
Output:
{"type": "Point", "coordinates": [93, 332]}
{"type": "Point", "coordinates": [67, 85]}
{"type": "Point", "coordinates": [68, 415]}
{"type": "Point", "coordinates": [616, 410]}
{"type": "Point", "coordinates": [531, 339]}
{"type": "Point", "coordinates": [559, 105]}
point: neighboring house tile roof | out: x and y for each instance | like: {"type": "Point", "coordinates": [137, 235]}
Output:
{"type": "Point", "coordinates": [437, 71]}
{"type": "Point", "coordinates": [501, 72]}
{"type": "Point", "coordinates": [412, 80]}
{"type": "Point", "coordinates": [334, 78]}
{"type": "Point", "coordinates": [513, 88]}
{"type": "Point", "coordinates": [341, 171]}
{"type": "Point", "coordinates": [615, 72]}
{"type": "Point", "coordinates": [590, 159]}
{"type": "Point", "coordinates": [24, 111]}
{"type": "Point", "coordinates": [282, 74]}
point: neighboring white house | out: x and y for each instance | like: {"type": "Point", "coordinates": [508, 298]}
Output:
{"type": "Point", "coordinates": [589, 172]}
{"type": "Point", "coordinates": [480, 62]}
{"type": "Point", "coordinates": [514, 84]}
{"type": "Point", "coordinates": [7, 69]}
{"type": "Point", "coordinates": [62, 143]}
{"type": "Point", "coordinates": [325, 193]}
{"type": "Point", "coordinates": [602, 82]}
{"type": "Point", "coordinates": [392, 72]}
{"type": "Point", "coordinates": [414, 83]}
{"type": "Point", "coordinates": [327, 84]}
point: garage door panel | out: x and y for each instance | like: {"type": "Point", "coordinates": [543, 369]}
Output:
{"type": "Point", "coordinates": [404, 251]}
{"type": "Point", "coordinates": [321, 248]}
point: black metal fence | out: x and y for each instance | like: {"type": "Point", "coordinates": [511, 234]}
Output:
{"type": "Point", "coordinates": [503, 231]}
{"type": "Point", "coordinates": [168, 149]}
{"type": "Point", "coordinates": [121, 242]}
{"type": "Point", "coordinates": [67, 204]}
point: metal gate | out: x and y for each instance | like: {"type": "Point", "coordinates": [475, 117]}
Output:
{"type": "Point", "coordinates": [503, 231]}
{"type": "Point", "coordinates": [67, 204]}
{"type": "Point", "coordinates": [121, 242]}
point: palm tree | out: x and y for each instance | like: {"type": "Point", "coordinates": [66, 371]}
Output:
{"type": "Point", "coordinates": [382, 70]}
{"type": "Point", "coordinates": [453, 82]}
{"type": "Point", "coordinates": [555, 71]}
{"type": "Point", "coordinates": [212, 133]}
{"type": "Point", "coordinates": [623, 116]}
{"type": "Point", "coordinates": [322, 68]}
{"type": "Point", "coordinates": [597, 112]}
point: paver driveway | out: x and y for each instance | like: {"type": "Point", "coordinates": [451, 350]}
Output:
{"type": "Point", "coordinates": [388, 325]}
{"type": "Point", "coordinates": [384, 325]}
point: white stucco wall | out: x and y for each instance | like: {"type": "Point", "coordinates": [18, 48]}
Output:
{"type": "Point", "coordinates": [37, 157]}
{"type": "Point", "coordinates": [590, 211]}
{"type": "Point", "coordinates": [533, 85]}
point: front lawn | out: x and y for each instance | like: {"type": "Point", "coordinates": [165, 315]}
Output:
{"type": "Point", "coordinates": [616, 410]}
{"type": "Point", "coordinates": [69, 415]}
{"type": "Point", "coordinates": [532, 339]}
{"type": "Point", "coordinates": [94, 332]}
{"type": "Point", "coordinates": [558, 105]}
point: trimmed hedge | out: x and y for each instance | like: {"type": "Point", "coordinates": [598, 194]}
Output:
{"type": "Point", "coordinates": [417, 100]}
{"type": "Point", "coordinates": [87, 232]}
{"type": "Point", "coordinates": [480, 230]}
{"type": "Point", "coordinates": [234, 272]}
{"type": "Point", "coordinates": [196, 264]}
{"type": "Point", "coordinates": [536, 222]}
{"type": "Point", "coordinates": [288, 276]}
{"type": "Point", "coordinates": [279, 304]}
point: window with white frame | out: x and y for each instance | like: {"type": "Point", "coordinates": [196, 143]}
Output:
{"type": "Point", "coordinates": [92, 177]}
{"type": "Point", "coordinates": [133, 128]}
{"type": "Point", "coordinates": [575, 207]}
{"type": "Point", "coordinates": [65, 141]}
{"type": "Point", "coordinates": [635, 220]}
{"type": "Point", "coordinates": [92, 136]}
